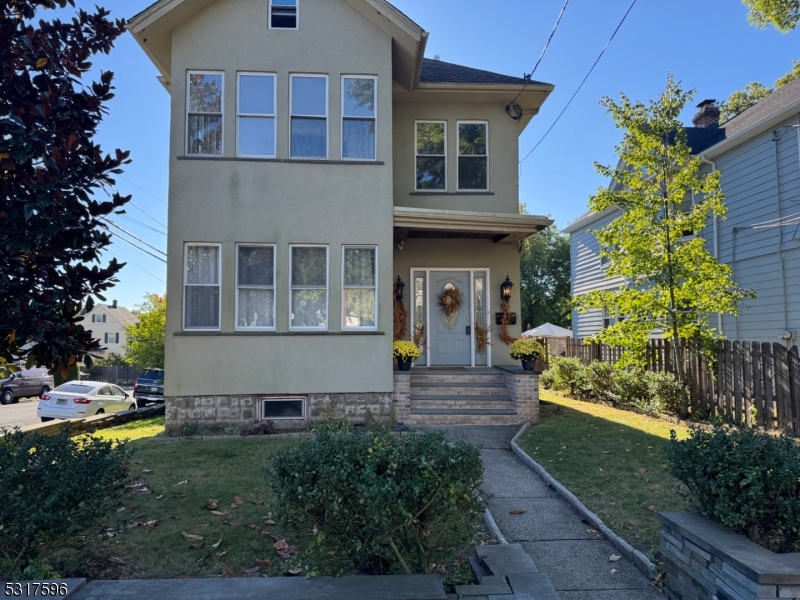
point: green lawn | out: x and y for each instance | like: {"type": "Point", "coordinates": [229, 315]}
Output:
{"type": "Point", "coordinates": [613, 461]}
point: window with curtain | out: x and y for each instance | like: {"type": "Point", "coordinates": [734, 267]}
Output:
{"type": "Point", "coordinates": [360, 285]}
{"type": "Point", "coordinates": [283, 14]}
{"type": "Point", "coordinates": [202, 287]}
{"type": "Point", "coordinates": [359, 118]}
{"type": "Point", "coordinates": [309, 287]}
{"type": "Point", "coordinates": [431, 156]}
{"type": "Point", "coordinates": [255, 287]}
{"type": "Point", "coordinates": [256, 115]}
{"type": "Point", "coordinates": [204, 113]}
{"type": "Point", "coordinates": [309, 121]}
{"type": "Point", "coordinates": [473, 156]}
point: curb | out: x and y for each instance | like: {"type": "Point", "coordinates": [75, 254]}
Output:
{"type": "Point", "coordinates": [640, 561]}
{"type": "Point", "coordinates": [492, 525]}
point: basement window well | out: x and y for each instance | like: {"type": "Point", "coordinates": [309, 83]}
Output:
{"type": "Point", "coordinates": [275, 409]}
{"type": "Point", "coordinates": [283, 14]}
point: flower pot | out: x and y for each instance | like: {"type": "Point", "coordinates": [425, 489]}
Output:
{"type": "Point", "coordinates": [527, 365]}
{"type": "Point", "coordinates": [403, 365]}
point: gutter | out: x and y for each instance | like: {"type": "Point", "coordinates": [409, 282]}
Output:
{"type": "Point", "coordinates": [716, 237]}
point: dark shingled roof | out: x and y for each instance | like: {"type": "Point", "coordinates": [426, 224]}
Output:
{"type": "Point", "coordinates": [762, 109]}
{"type": "Point", "coordinates": [702, 138]}
{"type": "Point", "coordinates": [437, 71]}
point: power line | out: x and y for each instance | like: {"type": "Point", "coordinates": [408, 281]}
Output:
{"type": "Point", "coordinates": [613, 35]}
{"type": "Point", "coordinates": [544, 50]}
{"type": "Point", "coordinates": [787, 220]}
{"type": "Point", "coordinates": [139, 266]}
{"type": "Point", "coordinates": [145, 225]}
{"type": "Point", "coordinates": [132, 203]}
{"type": "Point", "coordinates": [119, 237]}
{"type": "Point", "coordinates": [142, 189]}
{"type": "Point", "coordinates": [138, 239]}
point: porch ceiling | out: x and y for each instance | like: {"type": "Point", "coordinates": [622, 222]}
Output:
{"type": "Point", "coordinates": [503, 228]}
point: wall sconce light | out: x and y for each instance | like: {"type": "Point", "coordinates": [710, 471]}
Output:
{"type": "Point", "coordinates": [505, 290]}
{"type": "Point", "coordinates": [399, 286]}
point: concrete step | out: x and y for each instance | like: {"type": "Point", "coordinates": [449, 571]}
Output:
{"type": "Point", "coordinates": [461, 378]}
{"type": "Point", "coordinates": [460, 419]}
{"type": "Point", "coordinates": [460, 398]}
{"type": "Point", "coordinates": [473, 388]}
{"type": "Point", "coordinates": [463, 411]}
{"type": "Point", "coordinates": [466, 403]}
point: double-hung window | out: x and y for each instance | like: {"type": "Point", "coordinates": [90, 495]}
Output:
{"type": "Point", "coordinates": [473, 156]}
{"type": "Point", "coordinates": [99, 318]}
{"type": "Point", "coordinates": [201, 295]}
{"type": "Point", "coordinates": [283, 14]}
{"type": "Point", "coordinates": [255, 287]}
{"type": "Point", "coordinates": [204, 113]}
{"type": "Point", "coordinates": [431, 156]}
{"type": "Point", "coordinates": [309, 105]}
{"type": "Point", "coordinates": [360, 286]}
{"type": "Point", "coordinates": [256, 115]}
{"type": "Point", "coordinates": [309, 287]}
{"type": "Point", "coordinates": [112, 338]}
{"type": "Point", "coordinates": [359, 122]}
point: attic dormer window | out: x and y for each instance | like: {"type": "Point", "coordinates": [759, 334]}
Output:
{"type": "Point", "coordinates": [283, 14]}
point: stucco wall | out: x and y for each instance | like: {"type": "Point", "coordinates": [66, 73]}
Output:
{"type": "Point", "coordinates": [228, 201]}
{"type": "Point", "coordinates": [503, 153]}
{"type": "Point", "coordinates": [501, 259]}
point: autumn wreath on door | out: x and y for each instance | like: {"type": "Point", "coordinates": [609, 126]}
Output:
{"type": "Point", "coordinates": [450, 301]}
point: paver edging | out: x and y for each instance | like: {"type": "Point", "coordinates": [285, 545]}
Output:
{"type": "Point", "coordinates": [639, 560]}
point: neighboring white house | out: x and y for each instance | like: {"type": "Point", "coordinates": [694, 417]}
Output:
{"type": "Point", "coordinates": [107, 322]}
{"type": "Point", "coordinates": [758, 155]}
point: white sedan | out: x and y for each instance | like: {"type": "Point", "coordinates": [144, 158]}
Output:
{"type": "Point", "coordinates": [79, 399]}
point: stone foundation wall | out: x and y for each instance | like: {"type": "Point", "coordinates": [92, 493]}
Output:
{"type": "Point", "coordinates": [707, 562]}
{"type": "Point", "coordinates": [246, 410]}
{"type": "Point", "coordinates": [523, 387]}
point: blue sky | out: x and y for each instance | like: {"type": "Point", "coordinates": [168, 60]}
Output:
{"type": "Point", "coordinates": [708, 45]}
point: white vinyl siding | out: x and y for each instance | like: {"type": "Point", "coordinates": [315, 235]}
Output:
{"type": "Point", "coordinates": [359, 117]}
{"type": "Point", "coordinates": [256, 93]}
{"type": "Point", "coordinates": [309, 116]}
{"type": "Point", "coordinates": [202, 286]}
{"type": "Point", "coordinates": [360, 287]}
{"type": "Point", "coordinates": [205, 106]}
{"type": "Point", "coordinates": [308, 294]}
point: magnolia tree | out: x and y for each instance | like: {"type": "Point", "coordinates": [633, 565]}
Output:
{"type": "Point", "coordinates": [51, 226]}
{"type": "Point", "coordinates": [673, 283]}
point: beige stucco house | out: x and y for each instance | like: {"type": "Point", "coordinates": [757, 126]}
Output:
{"type": "Point", "coordinates": [315, 157]}
{"type": "Point", "coordinates": [107, 323]}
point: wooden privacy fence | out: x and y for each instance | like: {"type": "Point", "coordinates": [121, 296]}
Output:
{"type": "Point", "coordinates": [122, 375]}
{"type": "Point", "coordinates": [746, 383]}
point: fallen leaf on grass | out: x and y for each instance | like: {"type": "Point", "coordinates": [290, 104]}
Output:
{"type": "Point", "coordinates": [221, 554]}
{"type": "Point", "coordinates": [606, 452]}
{"type": "Point", "coordinates": [251, 571]}
{"type": "Point", "coordinates": [198, 545]}
{"type": "Point", "coordinates": [184, 482]}
{"type": "Point", "coordinates": [283, 554]}
{"type": "Point", "coordinates": [652, 508]}
{"type": "Point", "coordinates": [192, 536]}
{"type": "Point", "coordinates": [517, 511]}
{"type": "Point", "coordinates": [614, 558]}
{"type": "Point", "coordinates": [215, 546]}
{"type": "Point", "coordinates": [281, 545]}
{"type": "Point", "coordinates": [259, 499]}
{"type": "Point", "coordinates": [265, 532]}
{"type": "Point", "coordinates": [295, 571]}
{"type": "Point", "coordinates": [315, 531]}
{"type": "Point", "coordinates": [228, 571]}
{"type": "Point", "coordinates": [116, 560]}
{"type": "Point", "coordinates": [146, 471]}
{"type": "Point", "coordinates": [231, 523]}
{"type": "Point", "coordinates": [234, 506]}
{"type": "Point", "coordinates": [211, 505]}
{"type": "Point", "coordinates": [139, 488]}
{"type": "Point", "coordinates": [238, 500]}
{"type": "Point", "coordinates": [150, 525]}
{"type": "Point", "coordinates": [264, 562]}
{"type": "Point", "coordinates": [135, 525]}
{"type": "Point", "coordinates": [594, 532]}
{"type": "Point", "coordinates": [203, 527]}
{"type": "Point", "coordinates": [642, 471]}
{"type": "Point", "coordinates": [613, 571]}
{"type": "Point", "coordinates": [132, 507]}
{"type": "Point", "coordinates": [219, 514]}
{"type": "Point", "coordinates": [253, 526]}
{"type": "Point", "coordinates": [270, 522]}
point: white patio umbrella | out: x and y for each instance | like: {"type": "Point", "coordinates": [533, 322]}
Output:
{"type": "Point", "coordinates": [548, 330]}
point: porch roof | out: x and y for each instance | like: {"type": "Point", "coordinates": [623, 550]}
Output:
{"type": "Point", "coordinates": [503, 228]}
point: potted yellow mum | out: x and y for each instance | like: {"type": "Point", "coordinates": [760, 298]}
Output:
{"type": "Point", "coordinates": [528, 351]}
{"type": "Point", "coordinates": [405, 352]}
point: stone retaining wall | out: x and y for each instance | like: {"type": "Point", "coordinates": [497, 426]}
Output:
{"type": "Point", "coordinates": [707, 562]}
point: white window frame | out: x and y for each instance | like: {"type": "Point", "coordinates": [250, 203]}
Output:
{"type": "Point", "coordinates": [327, 287]}
{"type": "Point", "coordinates": [296, 18]}
{"type": "Point", "coordinates": [417, 155]}
{"type": "Point", "coordinates": [266, 399]}
{"type": "Point", "coordinates": [459, 156]}
{"type": "Point", "coordinates": [327, 115]}
{"type": "Point", "coordinates": [273, 116]}
{"type": "Point", "coordinates": [221, 113]}
{"type": "Point", "coordinates": [346, 287]}
{"type": "Point", "coordinates": [236, 325]}
{"type": "Point", "coordinates": [375, 118]}
{"type": "Point", "coordinates": [186, 247]}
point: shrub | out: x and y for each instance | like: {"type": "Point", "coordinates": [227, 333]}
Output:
{"type": "Point", "coordinates": [746, 480]}
{"type": "Point", "coordinates": [664, 392]}
{"type": "Point", "coordinates": [378, 502]}
{"type": "Point", "coordinates": [566, 373]}
{"type": "Point", "coordinates": [526, 349]}
{"type": "Point", "coordinates": [53, 488]}
{"type": "Point", "coordinates": [632, 387]}
{"type": "Point", "coordinates": [548, 379]}
{"type": "Point", "coordinates": [598, 382]}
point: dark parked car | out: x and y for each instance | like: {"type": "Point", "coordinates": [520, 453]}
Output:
{"type": "Point", "coordinates": [149, 387]}
{"type": "Point", "coordinates": [25, 384]}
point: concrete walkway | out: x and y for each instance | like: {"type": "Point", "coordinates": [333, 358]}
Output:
{"type": "Point", "coordinates": [560, 543]}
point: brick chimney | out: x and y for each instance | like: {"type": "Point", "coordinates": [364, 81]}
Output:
{"type": "Point", "coordinates": [708, 115]}
{"type": "Point", "coordinates": [114, 304]}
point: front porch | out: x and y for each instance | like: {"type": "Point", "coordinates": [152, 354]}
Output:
{"type": "Point", "coordinates": [466, 396]}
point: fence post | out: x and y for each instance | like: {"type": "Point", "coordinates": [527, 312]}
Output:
{"type": "Point", "coordinates": [770, 410]}
{"type": "Point", "coordinates": [759, 400]}
{"type": "Point", "coordinates": [782, 386]}
{"type": "Point", "coordinates": [794, 386]}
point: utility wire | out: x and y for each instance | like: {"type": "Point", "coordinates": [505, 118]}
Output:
{"type": "Point", "coordinates": [119, 237]}
{"type": "Point", "coordinates": [145, 225]}
{"type": "Point", "coordinates": [613, 35]}
{"type": "Point", "coordinates": [132, 203]}
{"type": "Point", "coordinates": [138, 265]}
{"type": "Point", "coordinates": [138, 239]}
{"type": "Point", "coordinates": [544, 50]}
{"type": "Point", "coordinates": [142, 189]}
{"type": "Point", "coordinates": [775, 222]}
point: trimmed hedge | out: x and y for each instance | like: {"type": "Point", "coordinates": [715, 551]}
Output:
{"type": "Point", "coordinates": [744, 479]}
{"type": "Point", "coordinates": [602, 382]}
{"type": "Point", "coordinates": [378, 503]}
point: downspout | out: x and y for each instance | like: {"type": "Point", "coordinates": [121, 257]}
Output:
{"type": "Point", "coordinates": [776, 139]}
{"type": "Point", "coordinates": [716, 240]}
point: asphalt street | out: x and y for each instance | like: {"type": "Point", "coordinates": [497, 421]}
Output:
{"type": "Point", "coordinates": [18, 415]}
